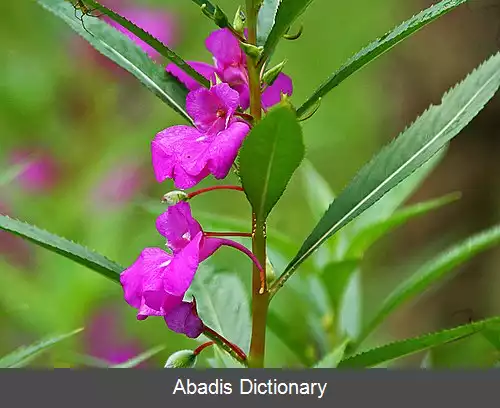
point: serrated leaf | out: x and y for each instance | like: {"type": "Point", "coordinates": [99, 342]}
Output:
{"type": "Point", "coordinates": [124, 52]}
{"type": "Point", "coordinates": [391, 201]}
{"type": "Point", "coordinates": [270, 154]}
{"type": "Point", "coordinates": [64, 247]}
{"type": "Point", "coordinates": [222, 304]}
{"type": "Point", "coordinates": [288, 12]}
{"type": "Point", "coordinates": [432, 272]}
{"type": "Point", "coordinates": [139, 359]}
{"type": "Point", "coordinates": [265, 20]}
{"type": "Point", "coordinates": [367, 237]}
{"type": "Point", "coordinates": [332, 359]}
{"type": "Point", "coordinates": [398, 160]}
{"type": "Point", "coordinates": [153, 42]}
{"type": "Point", "coordinates": [398, 349]}
{"type": "Point", "coordinates": [379, 47]}
{"type": "Point", "coordinates": [24, 355]}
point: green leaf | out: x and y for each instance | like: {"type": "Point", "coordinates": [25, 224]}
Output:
{"type": "Point", "coordinates": [141, 358]}
{"type": "Point", "coordinates": [317, 191]}
{"type": "Point", "coordinates": [269, 156]}
{"type": "Point", "coordinates": [23, 355]}
{"type": "Point", "coordinates": [391, 201]}
{"type": "Point", "coordinates": [336, 277]}
{"type": "Point", "coordinates": [367, 237]}
{"type": "Point", "coordinates": [332, 359]}
{"type": "Point", "coordinates": [150, 40]}
{"type": "Point", "coordinates": [265, 20]}
{"type": "Point", "coordinates": [288, 11]}
{"type": "Point", "coordinates": [378, 47]}
{"type": "Point", "coordinates": [398, 160]}
{"type": "Point", "coordinates": [124, 52]}
{"type": "Point", "coordinates": [221, 301]}
{"type": "Point", "coordinates": [398, 349]}
{"type": "Point", "coordinates": [432, 272]}
{"type": "Point", "coordinates": [62, 246]}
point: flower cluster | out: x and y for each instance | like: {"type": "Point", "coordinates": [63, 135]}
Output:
{"type": "Point", "coordinates": [156, 283]}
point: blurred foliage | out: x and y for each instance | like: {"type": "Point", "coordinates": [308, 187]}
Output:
{"type": "Point", "coordinates": [60, 97]}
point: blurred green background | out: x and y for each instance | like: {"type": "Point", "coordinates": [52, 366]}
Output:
{"type": "Point", "coordinates": [95, 124]}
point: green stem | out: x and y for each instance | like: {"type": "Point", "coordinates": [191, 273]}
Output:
{"type": "Point", "coordinates": [260, 301]}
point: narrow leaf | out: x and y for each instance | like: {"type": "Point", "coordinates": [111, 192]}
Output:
{"type": "Point", "coordinates": [317, 191]}
{"type": "Point", "coordinates": [269, 156]}
{"type": "Point", "coordinates": [367, 237]}
{"type": "Point", "coordinates": [398, 349]}
{"type": "Point", "coordinates": [23, 355]}
{"type": "Point", "coordinates": [150, 40]}
{"type": "Point", "coordinates": [398, 160]}
{"type": "Point", "coordinates": [336, 277]}
{"type": "Point", "coordinates": [288, 11]}
{"type": "Point", "coordinates": [141, 358]}
{"type": "Point", "coordinates": [332, 359]}
{"type": "Point", "coordinates": [432, 272]}
{"type": "Point", "coordinates": [391, 201]}
{"type": "Point", "coordinates": [379, 47]}
{"type": "Point", "coordinates": [62, 246]}
{"type": "Point", "coordinates": [124, 52]}
{"type": "Point", "coordinates": [265, 20]}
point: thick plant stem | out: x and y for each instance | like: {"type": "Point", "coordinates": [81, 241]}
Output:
{"type": "Point", "coordinates": [260, 301]}
{"type": "Point", "coordinates": [260, 298]}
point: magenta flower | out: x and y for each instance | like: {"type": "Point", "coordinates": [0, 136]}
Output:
{"type": "Point", "coordinates": [187, 154]}
{"type": "Point", "coordinates": [231, 67]}
{"type": "Point", "coordinates": [39, 172]}
{"type": "Point", "coordinates": [157, 281]}
{"type": "Point", "coordinates": [119, 186]}
{"type": "Point", "coordinates": [105, 338]}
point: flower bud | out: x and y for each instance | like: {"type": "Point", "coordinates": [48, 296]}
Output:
{"type": "Point", "coordinates": [181, 359]}
{"type": "Point", "coordinates": [270, 274]}
{"type": "Point", "coordinates": [270, 76]}
{"type": "Point", "coordinates": [174, 197]}
{"type": "Point", "coordinates": [239, 21]}
{"type": "Point", "coordinates": [252, 50]}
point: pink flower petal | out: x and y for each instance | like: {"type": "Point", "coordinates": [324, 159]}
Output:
{"type": "Point", "coordinates": [178, 226]}
{"type": "Point", "coordinates": [206, 70]}
{"type": "Point", "coordinates": [183, 319]}
{"type": "Point", "coordinates": [272, 95]}
{"type": "Point", "coordinates": [225, 47]}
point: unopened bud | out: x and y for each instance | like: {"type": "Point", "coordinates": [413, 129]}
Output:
{"type": "Point", "coordinates": [174, 197]}
{"type": "Point", "coordinates": [270, 274]}
{"type": "Point", "coordinates": [252, 50]}
{"type": "Point", "coordinates": [181, 359]}
{"type": "Point", "coordinates": [270, 76]}
{"type": "Point", "coordinates": [239, 21]}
